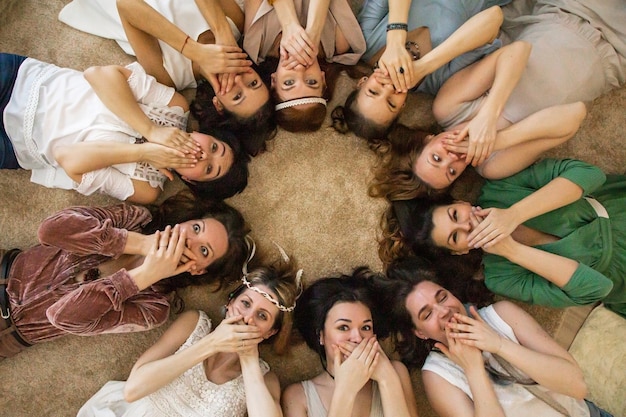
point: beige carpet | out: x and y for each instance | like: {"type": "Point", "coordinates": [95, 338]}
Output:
{"type": "Point", "coordinates": [308, 194]}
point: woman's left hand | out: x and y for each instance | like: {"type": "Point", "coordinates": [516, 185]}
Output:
{"type": "Point", "coordinates": [496, 224]}
{"type": "Point", "coordinates": [481, 131]}
{"type": "Point", "coordinates": [473, 331]}
{"type": "Point", "coordinates": [397, 63]}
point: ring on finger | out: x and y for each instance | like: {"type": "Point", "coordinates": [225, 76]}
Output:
{"type": "Point", "coordinates": [401, 70]}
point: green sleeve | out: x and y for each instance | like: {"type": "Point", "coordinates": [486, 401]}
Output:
{"type": "Point", "coordinates": [505, 192]}
{"type": "Point", "coordinates": [586, 286]}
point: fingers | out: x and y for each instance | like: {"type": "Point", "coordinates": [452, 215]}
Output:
{"type": "Point", "coordinates": [167, 173]}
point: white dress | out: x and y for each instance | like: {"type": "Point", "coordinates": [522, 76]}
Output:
{"type": "Point", "coordinates": [514, 398]}
{"type": "Point", "coordinates": [189, 395]}
{"type": "Point", "coordinates": [100, 17]}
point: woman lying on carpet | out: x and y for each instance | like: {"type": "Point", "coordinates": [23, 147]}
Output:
{"type": "Point", "coordinates": [440, 39]}
{"type": "Point", "coordinates": [545, 239]}
{"type": "Point", "coordinates": [184, 44]}
{"type": "Point", "coordinates": [113, 269]}
{"type": "Point", "coordinates": [493, 361]}
{"type": "Point", "coordinates": [193, 370]}
{"type": "Point", "coordinates": [336, 317]}
{"type": "Point", "coordinates": [88, 137]}
{"type": "Point", "coordinates": [301, 42]}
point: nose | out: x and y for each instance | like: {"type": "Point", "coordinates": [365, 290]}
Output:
{"type": "Point", "coordinates": [441, 311]}
{"type": "Point", "coordinates": [355, 336]}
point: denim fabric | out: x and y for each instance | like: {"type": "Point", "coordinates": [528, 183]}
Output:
{"type": "Point", "coordinates": [595, 411]}
{"type": "Point", "coordinates": [9, 65]}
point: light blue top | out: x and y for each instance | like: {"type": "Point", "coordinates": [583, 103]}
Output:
{"type": "Point", "coordinates": [442, 17]}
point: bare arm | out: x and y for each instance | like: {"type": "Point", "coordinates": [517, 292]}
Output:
{"type": "Point", "coordinates": [538, 355]}
{"type": "Point", "coordinates": [396, 392]}
{"type": "Point", "coordinates": [395, 55]}
{"type": "Point", "coordinates": [110, 83]}
{"type": "Point", "coordinates": [262, 392]}
{"type": "Point", "coordinates": [479, 30]}
{"type": "Point", "coordinates": [161, 364]}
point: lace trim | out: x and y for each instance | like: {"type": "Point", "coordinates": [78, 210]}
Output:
{"type": "Point", "coordinates": [31, 110]}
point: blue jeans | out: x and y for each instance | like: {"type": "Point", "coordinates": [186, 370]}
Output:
{"type": "Point", "coordinates": [9, 65]}
{"type": "Point", "coordinates": [596, 411]}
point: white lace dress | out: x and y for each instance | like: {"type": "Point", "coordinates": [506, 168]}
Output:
{"type": "Point", "coordinates": [189, 395]}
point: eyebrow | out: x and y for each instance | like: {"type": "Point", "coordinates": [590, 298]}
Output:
{"type": "Point", "coordinates": [437, 166]}
{"type": "Point", "coordinates": [421, 310]}
{"type": "Point", "coordinates": [207, 243]}
{"type": "Point", "coordinates": [452, 219]}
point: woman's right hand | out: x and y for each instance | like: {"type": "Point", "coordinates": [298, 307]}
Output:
{"type": "Point", "coordinates": [233, 335]}
{"type": "Point", "coordinates": [296, 44]}
{"type": "Point", "coordinates": [163, 259]}
{"type": "Point", "coordinates": [358, 368]}
{"type": "Point", "coordinates": [460, 353]}
{"type": "Point", "coordinates": [395, 57]}
{"type": "Point", "coordinates": [161, 156]}
{"type": "Point", "coordinates": [174, 138]}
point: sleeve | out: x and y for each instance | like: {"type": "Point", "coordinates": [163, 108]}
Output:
{"type": "Point", "coordinates": [373, 21]}
{"type": "Point", "coordinates": [586, 286]}
{"type": "Point", "coordinates": [88, 230]}
{"type": "Point", "coordinates": [588, 177]}
{"type": "Point", "coordinates": [109, 305]}
{"type": "Point", "coordinates": [109, 181]}
{"type": "Point", "coordinates": [147, 89]}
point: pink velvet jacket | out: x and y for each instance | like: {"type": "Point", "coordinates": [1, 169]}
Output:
{"type": "Point", "coordinates": [46, 301]}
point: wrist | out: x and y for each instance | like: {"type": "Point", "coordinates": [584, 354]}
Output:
{"type": "Point", "coordinates": [396, 37]}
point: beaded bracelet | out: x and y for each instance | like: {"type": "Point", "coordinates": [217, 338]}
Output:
{"type": "Point", "coordinates": [397, 26]}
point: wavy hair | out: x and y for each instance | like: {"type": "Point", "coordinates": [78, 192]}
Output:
{"type": "Point", "coordinates": [255, 131]}
{"type": "Point", "coordinates": [233, 181]}
{"type": "Point", "coordinates": [317, 300]}
{"type": "Point", "coordinates": [394, 178]}
{"type": "Point", "coordinates": [404, 275]}
{"type": "Point", "coordinates": [184, 206]}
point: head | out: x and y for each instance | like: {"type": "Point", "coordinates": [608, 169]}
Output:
{"type": "Point", "coordinates": [394, 177]}
{"type": "Point", "coordinates": [420, 308]}
{"type": "Point", "coordinates": [215, 234]}
{"type": "Point", "coordinates": [247, 111]}
{"type": "Point", "coordinates": [222, 170]}
{"type": "Point", "coordinates": [335, 309]}
{"type": "Point", "coordinates": [267, 298]}
{"type": "Point", "coordinates": [437, 167]}
{"type": "Point", "coordinates": [370, 111]}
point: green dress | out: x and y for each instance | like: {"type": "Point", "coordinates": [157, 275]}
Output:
{"type": "Point", "coordinates": [597, 243]}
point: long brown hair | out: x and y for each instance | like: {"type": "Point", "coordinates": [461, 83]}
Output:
{"type": "Point", "coordinates": [393, 174]}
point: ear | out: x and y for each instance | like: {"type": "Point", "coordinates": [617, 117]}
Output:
{"type": "Point", "coordinates": [361, 82]}
{"type": "Point", "coordinates": [429, 138]}
{"type": "Point", "coordinates": [270, 334]}
{"type": "Point", "coordinates": [186, 179]}
{"type": "Point", "coordinates": [324, 78]}
{"type": "Point", "coordinates": [198, 272]}
{"type": "Point", "coordinates": [218, 105]}
{"type": "Point", "coordinates": [465, 252]}
{"type": "Point", "coordinates": [273, 80]}
{"type": "Point", "coordinates": [419, 334]}
{"type": "Point", "coordinates": [322, 338]}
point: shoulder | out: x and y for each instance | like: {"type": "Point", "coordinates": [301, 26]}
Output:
{"type": "Point", "coordinates": [187, 321]}
{"type": "Point", "coordinates": [400, 369]}
{"type": "Point", "coordinates": [294, 400]}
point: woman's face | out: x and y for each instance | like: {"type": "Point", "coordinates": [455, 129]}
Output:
{"type": "Point", "coordinates": [346, 322]}
{"type": "Point", "coordinates": [436, 166]}
{"type": "Point", "coordinates": [255, 309]}
{"type": "Point", "coordinates": [214, 161]}
{"type": "Point", "coordinates": [452, 224]}
{"type": "Point", "coordinates": [246, 97]}
{"type": "Point", "coordinates": [378, 102]}
{"type": "Point", "coordinates": [299, 82]}
{"type": "Point", "coordinates": [431, 307]}
{"type": "Point", "coordinates": [207, 239]}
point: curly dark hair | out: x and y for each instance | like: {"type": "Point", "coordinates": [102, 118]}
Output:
{"type": "Point", "coordinates": [317, 300]}
{"type": "Point", "coordinates": [233, 181]}
{"type": "Point", "coordinates": [403, 276]}
{"type": "Point", "coordinates": [184, 206]}
{"type": "Point", "coordinates": [254, 131]}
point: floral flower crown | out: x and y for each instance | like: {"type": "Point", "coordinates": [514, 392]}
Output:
{"type": "Point", "coordinates": [269, 297]}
